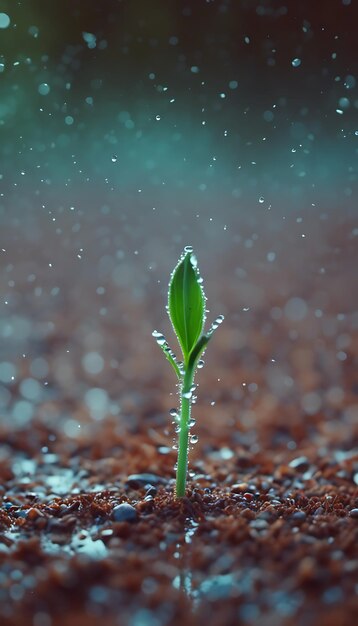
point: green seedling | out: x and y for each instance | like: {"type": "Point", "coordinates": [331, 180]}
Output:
{"type": "Point", "coordinates": [187, 313]}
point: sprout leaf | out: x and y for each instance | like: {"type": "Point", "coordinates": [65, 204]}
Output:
{"type": "Point", "coordinates": [186, 303]}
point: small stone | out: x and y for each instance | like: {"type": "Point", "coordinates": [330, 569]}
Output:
{"type": "Point", "coordinates": [300, 463]}
{"type": "Point", "coordinates": [298, 516]}
{"type": "Point", "coordinates": [124, 513]}
{"type": "Point", "coordinates": [353, 513]}
{"type": "Point", "coordinates": [248, 514]}
{"type": "Point", "coordinates": [239, 487]}
{"type": "Point", "coordinates": [259, 524]}
{"type": "Point", "coordinates": [248, 496]}
{"type": "Point", "coordinates": [135, 481]}
{"type": "Point", "coordinates": [33, 514]}
{"type": "Point", "coordinates": [319, 511]}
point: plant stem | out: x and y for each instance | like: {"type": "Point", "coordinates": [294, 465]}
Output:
{"type": "Point", "coordinates": [183, 443]}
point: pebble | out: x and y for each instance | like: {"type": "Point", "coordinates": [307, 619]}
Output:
{"type": "Point", "coordinates": [33, 513]}
{"type": "Point", "coordinates": [319, 511]}
{"type": "Point", "coordinates": [298, 516]}
{"type": "Point", "coordinates": [124, 513]}
{"type": "Point", "coordinates": [259, 524]}
{"type": "Point", "coordinates": [141, 480]}
{"type": "Point", "coordinates": [248, 496]}
{"type": "Point", "coordinates": [239, 487]}
{"type": "Point", "coordinates": [300, 463]}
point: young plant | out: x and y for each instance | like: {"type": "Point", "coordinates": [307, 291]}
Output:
{"type": "Point", "coordinates": [186, 309]}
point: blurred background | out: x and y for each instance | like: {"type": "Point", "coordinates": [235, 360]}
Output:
{"type": "Point", "coordinates": [129, 129]}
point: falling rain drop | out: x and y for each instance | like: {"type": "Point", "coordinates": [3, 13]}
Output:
{"type": "Point", "coordinates": [296, 62]}
{"type": "Point", "coordinates": [114, 158]}
{"type": "Point", "coordinates": [43, 89]}
{"type": "Point", "coordinates": [261, 199]}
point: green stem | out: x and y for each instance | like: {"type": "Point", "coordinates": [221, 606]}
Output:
{"type": "Point", "coordinates": [183, 443]}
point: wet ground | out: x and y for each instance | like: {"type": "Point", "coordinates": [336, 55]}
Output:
{"type": "Point", "coordinates": [89, 529]}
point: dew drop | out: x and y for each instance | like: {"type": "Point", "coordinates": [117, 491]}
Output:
{"type": "Point", "coordinates": [188, 249]}
{"type": "Point", "coordinates": [194, 439]}
{"type": "Point", "coordinates": [187, 395]}
{"type": "Point", "coordinates": [261, 199]}
{"type": "Point", "coordinates": [194, 261]}
{"type": "Point", "coordinates": [201, 364]}
{"type": "Point", "coordinates": [160, 339]}
{"type": "Point", "coordinates": [114, 158]}
{"type": "Point", "coordinates": [173, 413]}
{"type": "Point", "coordinates": [192, 422]}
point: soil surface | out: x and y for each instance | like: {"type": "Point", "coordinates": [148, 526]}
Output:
{"type": "Point", "coordinates": [90, 532]}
